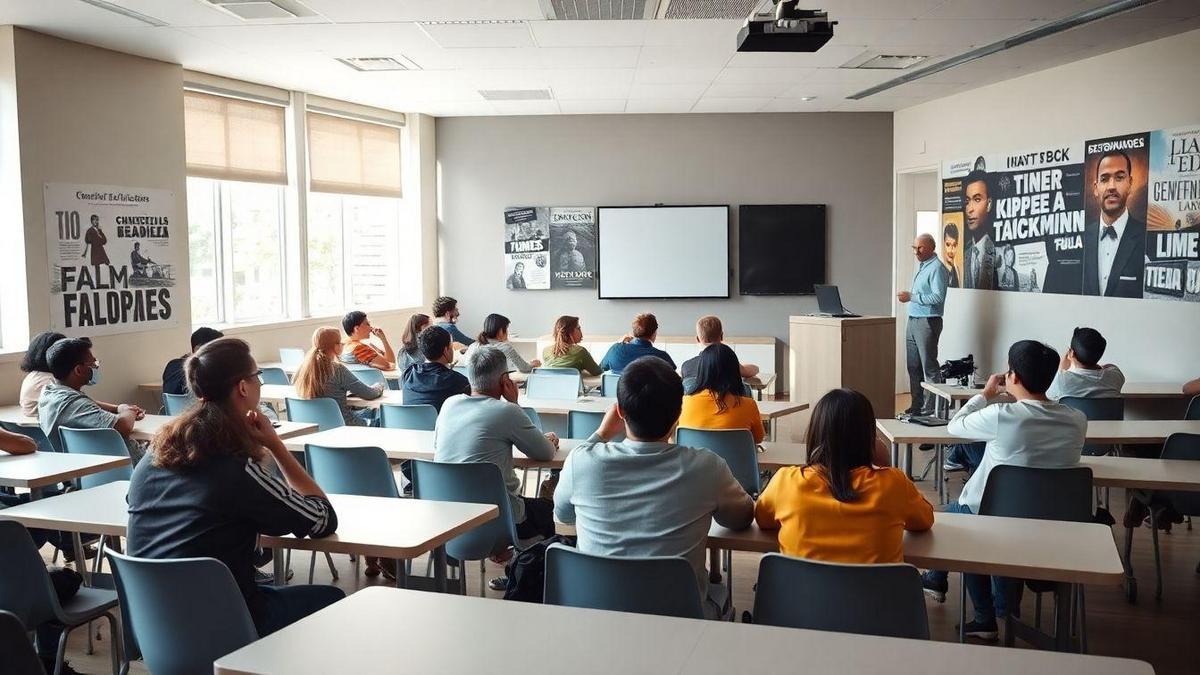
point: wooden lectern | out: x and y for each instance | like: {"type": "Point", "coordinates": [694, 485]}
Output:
{"type": "Point", "coordinates": [831, 353]}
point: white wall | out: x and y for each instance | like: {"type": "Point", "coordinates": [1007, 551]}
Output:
{"type": "Point", "coordinates": [487, 164]}
{"type": "Point", "coordinates": [1150, 86]}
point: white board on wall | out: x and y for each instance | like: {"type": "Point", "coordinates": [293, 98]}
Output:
{"type": "Point", "coordinates": [663, 251]}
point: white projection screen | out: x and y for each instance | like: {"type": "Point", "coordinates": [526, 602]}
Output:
{"type": "Point", "coordinates": [663, 251]}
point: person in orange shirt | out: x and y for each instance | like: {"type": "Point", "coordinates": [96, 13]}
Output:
{"type": "Point", "coordinates": [720, 400]}
{"type": "Point", "coordinates": [356, 348]}
{"type": "Point", "coordinates": [846, 505]}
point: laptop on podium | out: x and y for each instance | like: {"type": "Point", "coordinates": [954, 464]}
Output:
{"type": "Point", "coordinates": [829, 301]}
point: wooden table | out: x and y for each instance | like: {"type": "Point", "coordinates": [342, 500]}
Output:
{"type": "Point", "coordinates": [1137, 390]}
{"type": "Point", "coordinates": [344, 638]}
{"type": "Point", "coordinates": [40, 469]}
{"type": "Point", "coordinates": [408, 444]}
{"type": "Point", "coordinates": [1143, 474]}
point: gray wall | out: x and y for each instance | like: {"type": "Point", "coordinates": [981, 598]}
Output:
{"type": "Point", "coordinates": [488, 163]}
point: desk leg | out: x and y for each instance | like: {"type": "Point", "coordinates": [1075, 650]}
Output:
{"type": "Point", "coordinates": [938, 475]}
{"type": "Point", "coordinates": [896, 455]}
{"type": "Point", "coordinates": [908, 461]}
{"type": "Point", "coordinates": [439, 569]}
{"type": "Point", "coordinates": [81, 565]}
{"type": "Point", "coordinates": [774, 422]}
{"type": "Point", "coordinates": [1064, 612]}
{"type": "Point", "coordinates": [278, 567]}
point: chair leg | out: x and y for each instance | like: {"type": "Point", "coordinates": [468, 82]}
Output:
{"type": "Point", "coordinates": [91, 647]}
{"type": "Point", "coordinates": [1083, 648]}
{"type": "Point", "coordinates": [332, 569]}
{"type": "Point", "coordinates": [962, 608]}
{"type": "Point", "coordinates": [62, 651]}
{"type": "Point", "coordinates": [482, 579]}
{"type": "Point", "coordinates": [114, 630]}
{"type": "Point", "coordinates": [312, 566]}
{"type": "Point", "coordinates": [1157, 556]}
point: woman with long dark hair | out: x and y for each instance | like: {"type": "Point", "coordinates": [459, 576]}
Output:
{"type": "Point", "coordinates": [719, 400]}
{"type": "Point", "coordinates": [495, 334]}
{"type": "Point", "coordinates": [37, 371]}
{"type": "Point", "coordinates": [566, 352]}
{"type": "Point", "coordinates": [845, 505]}
{"type": "Point", "coordinates": [206, 490]}
{"type": "Point", "coordinates": [410, 351]}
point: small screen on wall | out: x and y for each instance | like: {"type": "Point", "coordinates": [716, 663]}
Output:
{"type": "Point", "coordinates": [781, 248]}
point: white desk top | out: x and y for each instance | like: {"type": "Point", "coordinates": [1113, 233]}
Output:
{"type": "Point", "coordinates": [343, 638]}
{"type": "Point", "coordinates": [768, 409]}
{"type": "Point", "coordinates": [1144, 474]}
{"type": "Point", "coordinates": [408, 444]}
{"type": "Point", "coordinates": [98, 510]}
{"type": "Point", "coordinates": [1123, 431]}
{"type": "Point", "coordinates": [47, 468]}
{"type": "Point", "coordinates": [276, 393]}
{"type": "Point", "coordinates": [145, 428]}
{"type": "Point", "coordinates": [954, 392]}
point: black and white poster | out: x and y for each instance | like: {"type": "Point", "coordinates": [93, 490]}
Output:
{"type": "Point", "coordinates": [549, 247]}
{"type": "Point", "coordinates": [113, 265]}
{"type": "Point", "coordinates": [526, 248]}
{"type": "Point", "coordinates": [1173, 216]}
{"type": "Point", "coordinates": [573, 247]}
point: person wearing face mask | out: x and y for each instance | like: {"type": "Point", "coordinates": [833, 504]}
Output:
{"type": "Point", "coordinates": [63, 403]}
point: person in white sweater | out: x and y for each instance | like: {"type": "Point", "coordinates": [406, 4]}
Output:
{"type": "Point", "coordinates": [1080, 374]}
{"type": "Point", "coordinates": [495, 334]}
{"type": "Point", "coordinates": [1029, 431]}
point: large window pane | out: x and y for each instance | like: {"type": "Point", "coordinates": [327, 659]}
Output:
{"type": "Point", "coordinates": [203, 245]}
{"type": "Point", "coordinates": [255, 214]}
{"type": "Point", "coordinates": [371, 225]}
{"type": "Point", "coordinates": [325, 269]}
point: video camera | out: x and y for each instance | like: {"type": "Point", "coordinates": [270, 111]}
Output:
{"type": "Point", "coordinates": [958, 369]}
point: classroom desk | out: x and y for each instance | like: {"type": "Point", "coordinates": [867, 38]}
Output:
{"type": "Point", "coordinates": [1143, 474]}
{"type": "Point", "coordinates": [344, 638]}
{"type": "Point", "coordinates": [149, 425]}
{"type": "Point", "coordinates": [40, 469]}
{"type": "Point", "coordinates": [408, 444]}
{"type": "Point", "coordinates": [276, 393]}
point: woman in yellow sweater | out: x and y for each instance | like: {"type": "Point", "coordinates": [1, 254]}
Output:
{"type": "Point", "coordinates": [846, 505]}
{"type": "Point", "coordinates": [720, 401]}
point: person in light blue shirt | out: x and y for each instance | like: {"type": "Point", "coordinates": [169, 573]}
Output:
{"type": "Point", "coordinates": [926, 302]}
{"type": "Point", "coordinates": [445, 316]}
{"type": "Point", "coordinates": [641, 343]}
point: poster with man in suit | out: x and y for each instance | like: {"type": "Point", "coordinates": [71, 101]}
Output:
{"type": "Point", "coordinates": [1114, 239]}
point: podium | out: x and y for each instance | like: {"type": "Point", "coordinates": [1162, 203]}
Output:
{"type": "Point", "coordinates": [853, 353]}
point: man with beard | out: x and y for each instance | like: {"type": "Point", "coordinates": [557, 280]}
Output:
{"type": "Point", "coordinates": [1114, 247]}
{"type": "Point", "coordinates": [979, 263]}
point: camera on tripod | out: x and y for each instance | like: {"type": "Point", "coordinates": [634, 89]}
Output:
{"type": "Point", "coordinates": [962, 370]}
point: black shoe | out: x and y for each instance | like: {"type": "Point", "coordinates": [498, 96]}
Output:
{"type": "Point", "coordinates": [934, 587]}
{"type": "Point", "coordinates": [89, 552]}
{"type": "Point", "coordinates": [48, 665]}
{"type": "Point", "coordinates": [926, 446]}
{"type": "Point", "coordinates": [498, 584]}
{"type": "Point", "coordinates": [982, 631]}
{"type": "Point", "coordinates": [268, 578]}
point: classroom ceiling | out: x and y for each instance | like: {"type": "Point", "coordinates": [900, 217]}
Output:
{"type": "Point", "coordinates": [456, 49]}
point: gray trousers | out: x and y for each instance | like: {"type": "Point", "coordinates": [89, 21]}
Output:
{"type": "Point", "coordinates": [921, 347]}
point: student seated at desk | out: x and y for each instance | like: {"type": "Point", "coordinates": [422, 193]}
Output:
{"type": "Point", "coordinates": [357, 350]}
{"type": "Point", "coordinates": [1030, 431]}
{"type": "Point", "coordinates": [410, 351]}
{"type": "Point", "coordinates": [1192, 388]}
{"type": "Point", "coordinates": [566, 352]}
{"type": "Point", "coordinates": [719, 401]}
{"type": "Point", "coordinates": [646, 496]}
{"type": "Point", "coordinates": [433, 382]}
{"type": "Point", "coordinates": [321, 376]}
{"type": "Point", "coordinates": [63, 403]}
{"type": "Point", "coordinates": [173, 378]}
{"type": "Point", "coordinates": [495, 334]}
{"type": "Point", "coordinates": [203, 490]}
{"type": "Point", "coordinates": [709, 332]}
{"type": "Point", "coordinates": [484, 426]}
{"type": "Point", "coordinates": [636, 345]}
{"type": "Point", "coordinates": [845, 505]}
{"type": "Point", "coordinates": [37, 371]}
{"type": "Point", "coordinates": [445, 316]}
{"type": "Point", "coordinates": [1080, 374]}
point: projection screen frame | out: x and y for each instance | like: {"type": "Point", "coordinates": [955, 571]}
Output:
{"type": "Point", "coordinates": [728, 253]}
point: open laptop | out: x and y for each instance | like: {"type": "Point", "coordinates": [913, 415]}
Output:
{"type": "Point", "coordinates": [829, 301]}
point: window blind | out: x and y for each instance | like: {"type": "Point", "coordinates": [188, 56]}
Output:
{"type": "Point", "coordinates": [234, 139]}
{"type": "Point", "coordinates": [348, 156]}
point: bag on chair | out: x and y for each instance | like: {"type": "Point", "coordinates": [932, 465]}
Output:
{"type": "Point", "coordinates": [527, 571]}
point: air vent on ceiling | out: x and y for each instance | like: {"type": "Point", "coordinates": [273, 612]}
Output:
{"type": "Point", "coordinates": [263, 10]}
{"type": "Point", "coordinates": [374, 64]}
{"type": "Point", "coordinates": [126, 12]}
{"type": "Point", "coordinates": [872, 61]}
{"type": "Point", "coordinates": [516, 94]}
{"type": "Point", "coordinates": [705, 9]}
{"type": "Point", "coordinates": [612, 10]}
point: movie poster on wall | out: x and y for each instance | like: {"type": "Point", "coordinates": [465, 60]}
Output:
{"type": "Point", "coordinates": [573, 247]}
{"type": "Point", "coordinates": [1173, 216]}
{"type": "Point", "coordinates": [1116, 174]}
{"type": "Point", "coordinates": [112, 262]}
{"type": "Point", "coordinates": [526, 249]}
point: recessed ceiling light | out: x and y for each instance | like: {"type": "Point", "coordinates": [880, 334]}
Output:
{"type": "Point", "coordinates": [808, 98]}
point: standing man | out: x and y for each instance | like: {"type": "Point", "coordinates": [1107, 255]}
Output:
{"type": "Point", "coordinates": [979, 265]}
{"type": "Point", "coordinates": [1114, 248]}
{"type": "Point", "coordinates": [927, 301]}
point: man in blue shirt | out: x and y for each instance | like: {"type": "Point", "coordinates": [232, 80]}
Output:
{"type": "Point", "coordinates": [926, 301]}
{"type": "Point", "coordinates": [445, 316]}
{"type": "Point", "coordinates": [621, 354]}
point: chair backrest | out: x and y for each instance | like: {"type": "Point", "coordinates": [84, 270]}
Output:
{"type": "Point", "coordinates": [652, 585]}
{"type": "Point", "coordinates": [291, 357]}
{"type": "Point", "coordinates": [16, 651]}
{"type": "Point", "coordinates": [323, 412]}
{"type": "Point", "coordinates": [553, 370]}
{"type": "Point", "coordinates": [1043, 494]}
{"type": "Point", "coordinates": [97, 442]}
{"type": "Point", "coordinates": [583, 423]}
{"type": "Point", "coordinates": [608, 384]}
{"type": "Point", "coordinates": [25, 588]}
{"type": "Point", "coordinates": [170, 604]}
{"type": "Point", "coordinates": [370, 376]}
{"type": "Point", "coordinates": [34, 433]}
{"type": "Point", "coordinates": [463, 370]}
{"type": "Point", "coordinates": [747, 390]}
{"type": "Point", "coordinates": [882, 600]}
{"type": "Point", "coordinates": [175, 404]}
{"type": "Point", "coordinates": [421, 417]}
{"type": "Point", "coordinates": [362, 471]}
{"type": "Point", "coordinates": [1184, 447]}
{"type": "Point", "coordinates": [533, 416]}
{"type": "Point", "coordinates": [472, 483]}
{"type": "Point", "coordinates": [1193, 409]}
{"type": "Point", "coordinates": [554, 386]}
{"type": "Point", "coordinates": [1098, 409]}
{"type": "Point", "coordinates": [274, 376]}
{"type": "Point", "coordinates": [735, 446]}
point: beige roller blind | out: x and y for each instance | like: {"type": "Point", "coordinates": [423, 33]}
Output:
{"type": "Point", "coordinates": [233, 139]}
{"type": "Point", "coordinates": [353, 157]}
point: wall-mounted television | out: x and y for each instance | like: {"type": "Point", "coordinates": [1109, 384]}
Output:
{"type": "Point", "coordinates": [663, 251]}
{"type": "Point", "coordinates": [781, 248]}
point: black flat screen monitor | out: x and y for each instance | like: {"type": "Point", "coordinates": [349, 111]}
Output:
{"type": "Point", "coordinates": [781, 248]}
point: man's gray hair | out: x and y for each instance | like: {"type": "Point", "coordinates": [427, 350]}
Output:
{"type": "Point", "coordinates": [485, 366]}
{"type": "Point", "coordinates": [927, 238]}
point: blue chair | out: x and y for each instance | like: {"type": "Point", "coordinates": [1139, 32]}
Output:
{"type": "Point", "coordinates": [291, 357]}
{"type": "Point", "coordinates": [608, 384]}
{"type": "Point", "coordinates": [274, 376]}
{"type": "Point", "coordinates": [27, 592]}
{"type": "Point", "coordinates": [323, 412]}
{"type": "Point", "coordinates": [463, 370]}
{"type": "Point", "coordinates": [1193, 409]}
{"type": "Point", "coordinates": [421, 417]}
{"type": "Point", "coordinates": [34, 433]}
{"type": "Point", "coordinates": [97, 442]}
{"type": "Point", "coordinates": [654, 585]}
{"type": "Point", "coordinates": [370, 376]}
{"type": "Point", "coordinates": [882, 600]}
{"type": "Point", "coordinates": [472, 483]}
{"type": "Point", "coordinates": [558, 387]}
{"type": "Point", "coordinates": [583, 423]}
{"type": "Point", "coordinates": [1097, 409]}
{"type": "Point", "coordinates": [735, 446]}
{"type": "Point", "coordinates": [16, 651]}
{"type": "Point", "coordinates": [362, 471]}
{"type": "Point", "coordinates": [183, 613]}
{"type": "Point", "coordinates": [550, 370]}
{"type": "Point", "coordinates": [533, 416]}
{"type": "Point", "coordinates": [175, 404]}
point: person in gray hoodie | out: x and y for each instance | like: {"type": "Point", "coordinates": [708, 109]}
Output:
{"type": "Point", "coordinates": [433, 382]}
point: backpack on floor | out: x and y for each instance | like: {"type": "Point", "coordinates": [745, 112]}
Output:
{"type": "Point", "coordinates": [527, 571]}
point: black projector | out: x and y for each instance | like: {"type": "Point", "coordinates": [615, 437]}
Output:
{"type": "Point", "coordinates": [790, 30]}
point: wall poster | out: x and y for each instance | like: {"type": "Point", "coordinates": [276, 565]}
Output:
{"type": "Point", "coordinates": [549, 247]}
{"type": "Point", "coordinates": [112, 261]}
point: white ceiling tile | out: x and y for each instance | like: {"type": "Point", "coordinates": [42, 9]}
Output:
{"type": "Point", "coordinates": [675, 75]}
{"type": "Point", "coordinates": [692, 32]}
{"type": "Point", "coordinates": [362, 11]}
{"type": "Point", "coordinates": [832, 55]}
{"type": "Point", "coordinates": [766, 90]}
{"type": "Point", "coordinates": [843, 10]}
{"type": "Point", "coordinates": [730, 105]}
{"type": "Point", "coordinates": [589, 57]}
{"type": "Point", "coordinates": [663, 105]}
{"type": "Point", "coordinates": [672, 91]}
{"type": "Point", "coordinates": [864, 77]}
{"type": "Point", "coordinates": [593, 107]}
{"type": "Point", "coordinates": [684, 57]}
{"type": "Point", "coordinates": [586, 91]}
{"type": "Point", "coordinates": [588, 33]}
{"type": "Point", "coordinates": [479, 36]}
{"type": "Point", "coordinates": [796, 105]}
{"type": "Point", "coordinates": [762, 75]}
{"type": "Point", "coordinates": [456, 109]}
{"type": "Point", "coordinates": [525, 107]}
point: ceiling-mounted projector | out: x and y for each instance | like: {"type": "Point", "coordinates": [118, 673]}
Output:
{"type": "Point", "coordinates": [788, 29]}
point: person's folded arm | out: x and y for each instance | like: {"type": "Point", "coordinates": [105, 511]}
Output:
{"type": "Point", "coordinates": [918, 511]}
{"type": "Point", "coordinates": [975, 420]}
{"type": "Point", "coordinates": [529, 439]}
{"type": "Point", "coordinates": [277, 509]}
{"type": "Point", "coordinates": [735, 509]}
{"type": "Point", "coordinates": [589, 364]}
{"type": "Point", "coordinates": [564, 510]}
{"type": "Point", "coordinates": [16, 444]}
{"type": "Point", "coordinates": [764, 508]}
